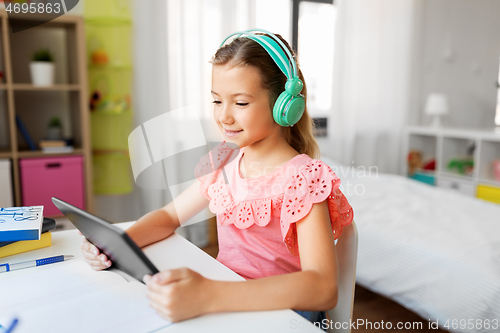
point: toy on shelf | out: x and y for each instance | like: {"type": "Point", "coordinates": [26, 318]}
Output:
{"type": "Point", "coordinates": [430, 165]}
{"type": "Point", "coordinates": [414, 161]}
{"type": "Point", "coordinates": [99, 57]}
{"type": "Point", "coordinates": [496, 170]}
{"type": "Point", "coordinates": [117, 105]}
{"type": "Point", "coordinates": [463, 166]}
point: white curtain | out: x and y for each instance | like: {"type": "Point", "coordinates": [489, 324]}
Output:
{"type": "Point", "coordinates": [374, 47]}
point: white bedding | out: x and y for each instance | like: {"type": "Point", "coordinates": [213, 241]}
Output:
{"type": "Point", "coordinates": [433, 250]}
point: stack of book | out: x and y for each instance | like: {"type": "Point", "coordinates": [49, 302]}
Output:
{"type": "Point", "coordinates": [24, 229]}
{"type": "Point", "coordinates": [55, 146]}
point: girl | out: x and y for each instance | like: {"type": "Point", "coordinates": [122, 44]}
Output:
{"type": "Point", "coordinates": [278, 209]}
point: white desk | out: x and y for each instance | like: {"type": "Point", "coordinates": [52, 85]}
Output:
{"type": "Point", "coordinates": [176, 252]}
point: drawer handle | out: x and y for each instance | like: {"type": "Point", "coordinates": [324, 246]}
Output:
{"type": "Point", "coordinates": [53, 165]}
{"type": "Point", "coordinates": [455, 186]}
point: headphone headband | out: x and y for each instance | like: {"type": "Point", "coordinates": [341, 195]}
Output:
{"type": "Point", "coordinates": [290, 104]}
{"type": "Point", "coordinates": [261, 40]}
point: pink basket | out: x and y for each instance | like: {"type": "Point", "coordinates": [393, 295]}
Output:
{"type": "Point", "coordinates": [44, 178]}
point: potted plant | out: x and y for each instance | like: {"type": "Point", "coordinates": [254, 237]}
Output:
{"type": "Point", "coordinates": [42, 68]}
{"type": "Point", "coordinates": [55, 129]}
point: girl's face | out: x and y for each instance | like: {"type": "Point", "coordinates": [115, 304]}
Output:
{"type": "Point", "coordinates": [241, 107]}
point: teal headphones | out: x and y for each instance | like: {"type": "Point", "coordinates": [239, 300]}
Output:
{"type": "Point", "coordinates": [290, 105]}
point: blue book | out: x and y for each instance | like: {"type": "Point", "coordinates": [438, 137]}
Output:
{"type": "Point", "coordinates": [21, 223]}
{"type": "Point", "coordinates": [25, 134]}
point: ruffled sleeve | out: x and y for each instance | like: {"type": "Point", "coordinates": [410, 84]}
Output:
{"type": "Point", "coordinates": [209, 168]}
{"type": "Point", "coordinates": [312, 184]}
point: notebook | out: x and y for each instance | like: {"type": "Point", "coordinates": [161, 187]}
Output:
{"type": "Point", "coordinates": [25, 246]}
{"type": "Point", "coordinates": [76, 299]}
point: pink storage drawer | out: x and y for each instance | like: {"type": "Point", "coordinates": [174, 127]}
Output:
{"type": "Point", "coordinates": [44, 178]}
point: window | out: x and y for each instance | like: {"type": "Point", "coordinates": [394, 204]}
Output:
{"type": "Point", "coordinates": [315, 41]}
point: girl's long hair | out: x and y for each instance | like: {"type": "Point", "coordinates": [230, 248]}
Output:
{"type": "Point", "coordinates": [246, 52]}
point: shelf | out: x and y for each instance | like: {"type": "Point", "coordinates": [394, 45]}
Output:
{"type": "Point", "coordinates": [490, 133]}
{"type": "Point", "coordinates": [55, 87]}
{"type": "Point", "coordinates": [111, 66]}
{"type": "Point", "coordinates": [39, 153]}
{"type": "Point", "coordinates": [108, 21]}
{"type": "Point", "coordinates": [48, 19]}
{"type": "Point", "coordinates": [5, 154]}
{"type": "Point", "coordinates": [35, 105]}
{"type": "Point", "coordinates": [491, 182]}
{"type": "Point", "coordinates": [456, 176]}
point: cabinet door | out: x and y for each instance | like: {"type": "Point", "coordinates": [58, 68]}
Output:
{"type": "Point", "coordinates": [6, 199]}
{"type": "Point", "coordinates": [461, 186]}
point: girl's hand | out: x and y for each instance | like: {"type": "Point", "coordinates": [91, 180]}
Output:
{"type": "Point", "coordinates": [97, 260]}
{"type": "Point", "coordinates": [179, 294]}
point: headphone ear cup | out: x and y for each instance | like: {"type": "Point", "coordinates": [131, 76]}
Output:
{"type": "Point", "coordinates": [279, 108]}
{"type": "Point", "coordinates": [295, 110]}
{"type": "Point", "coordinates": [288, 109]}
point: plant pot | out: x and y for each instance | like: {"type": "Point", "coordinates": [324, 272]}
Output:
{"type": "Point", "coordinates": [42, 73]}
{"type": "Point", "coordinates": [54, 133]}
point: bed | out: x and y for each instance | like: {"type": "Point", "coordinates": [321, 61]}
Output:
{"type": "Point", "coordinates": [432, 250]}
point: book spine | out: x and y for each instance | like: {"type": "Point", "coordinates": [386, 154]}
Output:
{"type": "Point", "coordinates": [25, 133]}
{"type": "Point", "coordinates": [48, 224]}
{"type": "Point", "coordinates": [25, 246]}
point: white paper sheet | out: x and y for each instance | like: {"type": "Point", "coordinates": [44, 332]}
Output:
{"type": "Point", "coordinates": [79, 300]}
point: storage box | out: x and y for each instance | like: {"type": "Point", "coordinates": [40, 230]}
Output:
{"type": "Point", "coordinates": [44, 178]}
{"type": "Point", "coordinates": [5, 184]}
{"type": "Point", "coordinates": [112, 84]}
{"type": "Point", "coordinates": [489, 193]}
{"type": "Point", "coordinates": [105, 11]}
{"type": "Point", "coordinates": [424, 177]}
{"type": "Point", "coordinates": [110, 131]}
{"type": "Point", "coordinates": [113, 40]}
{"type": "Point", "coordinates": [112, 174]}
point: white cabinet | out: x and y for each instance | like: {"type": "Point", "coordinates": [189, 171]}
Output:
{"type": "Point", "coordinates": [5, 184]}
{"type": "Point", "coordinates": [462, 186]}
{"type": "Point", "coordinates": [464, 157]}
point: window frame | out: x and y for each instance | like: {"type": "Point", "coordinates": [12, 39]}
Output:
{"type": "Point", "coordinates": [295, 20]}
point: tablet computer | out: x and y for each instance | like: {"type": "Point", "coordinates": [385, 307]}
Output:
{"type": "Point", "coordinates": [111, 240]}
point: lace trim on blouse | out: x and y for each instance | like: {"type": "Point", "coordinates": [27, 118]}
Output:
{"type": "Point", "coordinates": [313, 183]}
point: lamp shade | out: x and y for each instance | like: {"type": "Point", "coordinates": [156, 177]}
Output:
{"type": "Point", "coordinates": [436, 105]}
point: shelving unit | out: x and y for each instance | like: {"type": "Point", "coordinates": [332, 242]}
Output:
{"type": "Point", "coordinates": [445, 144]}
{"type": "Point", "coordinates": [65, 37]}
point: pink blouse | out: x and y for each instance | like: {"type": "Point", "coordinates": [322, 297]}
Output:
{"type": "Point", "coordinates": [256, 217]}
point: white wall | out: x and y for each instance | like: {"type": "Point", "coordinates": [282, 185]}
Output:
{"type": "Point", "coordinates": [459, 50]}
{"type": "Point", "coordinates": [374, 52]}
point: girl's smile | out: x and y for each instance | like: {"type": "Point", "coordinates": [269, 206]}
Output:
{"type": "Point", "coordinates": [231, 133]}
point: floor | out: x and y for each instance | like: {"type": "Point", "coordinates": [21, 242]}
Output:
{"type": "Point", "coordinates": [373, 313]}
{"type": "Point", "coordinates": [373, 308]}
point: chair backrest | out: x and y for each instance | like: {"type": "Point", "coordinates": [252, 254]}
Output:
{"type": "Point", "coordinates": [347, 253]}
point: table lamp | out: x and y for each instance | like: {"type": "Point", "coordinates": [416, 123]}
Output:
{"type": "Point", "coordinates": [437, 106]}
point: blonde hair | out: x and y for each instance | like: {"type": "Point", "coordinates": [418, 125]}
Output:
{"type": "Point", "coordinates": [246, 52]}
